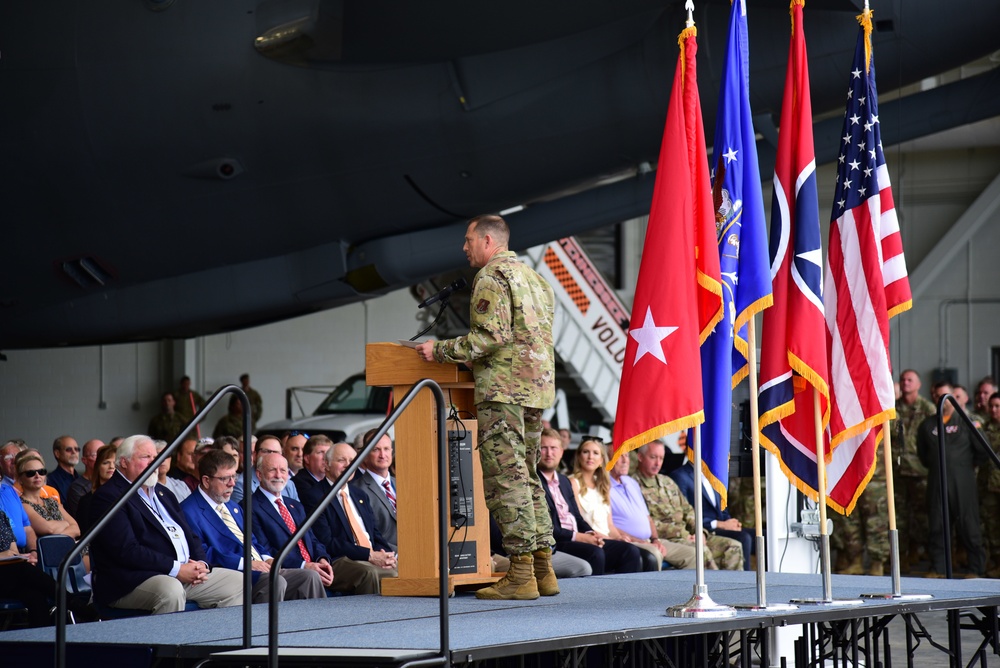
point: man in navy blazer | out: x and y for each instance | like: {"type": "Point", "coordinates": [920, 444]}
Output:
{"type": "Point", "coordinates": [578, 539]}
{"type": "Point", "coordinates": [313, 471]}
{"type": "Point", "coordinates": [714, 518]}
{"type": "Point", "coordinates": [361, 556]}
{"type": "Point", "coordinates": [270, 526]}
{"type": "Point", "coordinates": [147, 557]}
{"type": "Point", "coordinates": [374, 480]}
{"type": "Point", "coordinates": [209, 508]}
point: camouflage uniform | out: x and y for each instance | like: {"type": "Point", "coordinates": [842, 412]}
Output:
{"type": "Point", "coordinates": [739, 501]}
{"type": "Point", "coordinates": [183, 404]}
{"type": "Point", "coordinates": [229, 425]}
{"type": "Point", "coordinates": [868, 526]}
{"type": "Point", "coordinates": [674, 519]}
{"type": "Point", "coordinates": [256, 405]}
{"type": "Point", "coordinates": [166, 427]}
{"type": "Point", "coordinates": [510, 347]}
{"type": "Point", "coordinates": [988, 482]}
{"type": "Point", "coordinates": [909, 476]}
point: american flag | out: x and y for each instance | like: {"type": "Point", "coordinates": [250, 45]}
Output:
{"type": "Point", "coordinates": [866, 284]}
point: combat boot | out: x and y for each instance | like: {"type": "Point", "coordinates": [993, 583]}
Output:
{"type": "Point", "coordinates": [518, 583]}
{"type": "Point", "coordinates": [545, 577]}
{"type": "Point", "coordinates": [855, 567]}
{"type": "Point", "coordinates": [876, 568]}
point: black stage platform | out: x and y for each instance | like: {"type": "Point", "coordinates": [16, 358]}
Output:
{"type": "Point", "coordinates": [598, 620]}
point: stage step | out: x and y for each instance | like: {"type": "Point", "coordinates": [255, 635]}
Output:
{"type": "Point", "coordinates": [325, 656]}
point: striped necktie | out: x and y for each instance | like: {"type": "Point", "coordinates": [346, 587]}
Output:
{"type": "Point", "coordinates": [388, 493]}
{"type": "Point", "coordinates": [287, 517]}
{"type": "Point", "coordinates": [231, 524]}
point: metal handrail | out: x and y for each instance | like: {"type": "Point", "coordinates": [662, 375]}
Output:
{"type": "Point", "coordinates": [272, 611]}
{"type": "Point", "coordinates": [943, 469]}
{"type": "Point", "coordinates": [85, 540]}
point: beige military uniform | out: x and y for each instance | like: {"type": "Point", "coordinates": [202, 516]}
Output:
{"type": "Point", "coordinates": [674, 519]}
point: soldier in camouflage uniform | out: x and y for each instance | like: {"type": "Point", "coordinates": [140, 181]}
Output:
{"type": "Point", "coordinates": [256, 403]}
{"type": "Point", "coordinates": [510, 348]}
{"type": "Point", "coordinates": [866, 527]}
{"type": "Point", "coordinates": [909, 474]}
{"type": "Point", "coordinates": [989, 489]}
{"type": "Point", "coordinates": [167, 424]}
{"type": "Point", "coordinates": [674, 516]}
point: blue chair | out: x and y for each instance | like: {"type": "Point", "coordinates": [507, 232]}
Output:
{"type": "Point", "coordinates": [52, 550]}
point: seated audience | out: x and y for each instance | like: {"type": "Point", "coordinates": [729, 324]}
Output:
{"type": "Point", "coordinates": [380, 485]}
{"type": "Point", "coordinates": [218, 522]}
{"type": "Point", "coordinates": [67, 454]}
{"type": "Point", "coordinates": [572, 534]}
{"type": "Point", "coordinates": [47, 515]}
{"type": "Point", "coordinates": [313, 469]}
{"type": "Point", "coordinates": [270, 444]}
{"type": "Point", "coordinates": [147, 557]}
{"type": "Point", "coordinates": [82, 484]}
{"type": "Point", "coordinates": [592, 487]}
{"type": "Point", "coordinates": [631, 516]}
{"type": "Point", "coordinates": [715, 519]}
{"type": "Point", "coordinates": [104, 468]}
{"type": "Point", "coordinates": [276, 517]}
{"type": "Point", "coordinates": [177, 487]}
{"type": "Point", "coordinates": [21, 579]}
{"type": "Point", "coordinates": [347, 529]}
{"type": "Point", "coordinates": [674, 516]}
{"type": "Point", "coordinates": [47, 491]}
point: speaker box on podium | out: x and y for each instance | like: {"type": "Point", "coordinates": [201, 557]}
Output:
{"type": "Point", "coordinates": [416, 457]}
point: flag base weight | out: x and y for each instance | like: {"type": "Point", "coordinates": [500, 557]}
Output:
{"type": "Point", "coordinates": [832, 602]}
{"type": "Point", "coordinates": [701, 606]}
{"type": "Point", "coordinates": [767, 607]}
{"type": "Point", "coordinates": [888, 596]}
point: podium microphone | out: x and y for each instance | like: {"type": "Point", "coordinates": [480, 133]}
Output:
{"type": "Point", "coordinates": [444, 293]}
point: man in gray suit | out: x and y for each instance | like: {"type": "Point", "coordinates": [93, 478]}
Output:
{"type": "Point", "coordinates": [380, 486]}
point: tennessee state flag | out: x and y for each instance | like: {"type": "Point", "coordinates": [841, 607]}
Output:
{"type": "Point", "coordinates": [793, 356]}
{"type": "Point", "coordinates": [678, 296]}
{"type": "Point", "coordinates": [867, 284]}
{"type": "Point", "coordinates": [742, 247]}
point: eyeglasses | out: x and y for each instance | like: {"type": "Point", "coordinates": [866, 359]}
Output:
{"type": "Point", "coordinates": [298, 433]}
{"type": "Point", "coordinates": [228, 478]}
{"type": "Point", "coordinates": [71, 449]}
{"type": "Point", "coordinates": [34, 472]}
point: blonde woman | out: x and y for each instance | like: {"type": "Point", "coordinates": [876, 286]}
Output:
{"type": "Point", "coordinates": [46, 514]}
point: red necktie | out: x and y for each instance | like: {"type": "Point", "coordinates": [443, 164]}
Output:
{"type": "Point", "coordinates": [388, 493]}
{"type": "Point", "coordinates": [287, 516]}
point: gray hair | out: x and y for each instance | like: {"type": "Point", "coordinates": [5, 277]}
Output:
{"type": "Point", "coordinates": [127, 447]}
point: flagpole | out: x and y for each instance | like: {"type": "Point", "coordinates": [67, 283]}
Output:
{"type": "Point", "coordinates": [896, 594]}
{"type": "Point", "coordinates": [700, 604]}
{"type": "Point", "coordinates": [824, 536]}
{"type": "Point", "coordinates": [755, 458]}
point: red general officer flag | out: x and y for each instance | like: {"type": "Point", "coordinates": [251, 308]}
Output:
{"type": "Point", "coordinates": [678, 296]}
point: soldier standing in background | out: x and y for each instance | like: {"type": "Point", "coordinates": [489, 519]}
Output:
{"type": "Point", "coordinates": [989, 488]}
{"type": "Point", "coordinates": [510, 347]}
{"type": "Point", "coordinates": [256, 403]}
{"type": "Point", "coordinates": [167, 424]}
{"type": "Point", "coordinates": [909, 474]}
{"type": "Point", "coordinates": [188, 401]}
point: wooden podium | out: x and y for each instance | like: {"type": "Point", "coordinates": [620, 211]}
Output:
{"type": "Point", "coordinates": [390, 364]}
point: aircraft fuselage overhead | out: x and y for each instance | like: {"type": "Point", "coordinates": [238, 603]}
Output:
{"type": "Point", "coordinates": [174, 168]}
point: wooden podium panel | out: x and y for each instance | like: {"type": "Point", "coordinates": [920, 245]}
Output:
{"type": "Point", "coordinates": [417, 470]}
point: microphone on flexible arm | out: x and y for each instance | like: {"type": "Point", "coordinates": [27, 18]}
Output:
{"type": "Point", "coordinates": [445, 293]}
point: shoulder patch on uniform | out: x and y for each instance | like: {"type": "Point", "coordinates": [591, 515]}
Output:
{"type": "Point", "coordinates": [483, 306]}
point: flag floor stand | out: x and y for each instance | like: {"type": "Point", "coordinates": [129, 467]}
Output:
{"type": "Point", "coordinates": [828, 600]}
{"type": "Point", "coordinates": [896, 593]}
{"type": "Point", "coordinates": [701, 606]}
{"type": "Point", "coordinates": [762, 605]}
